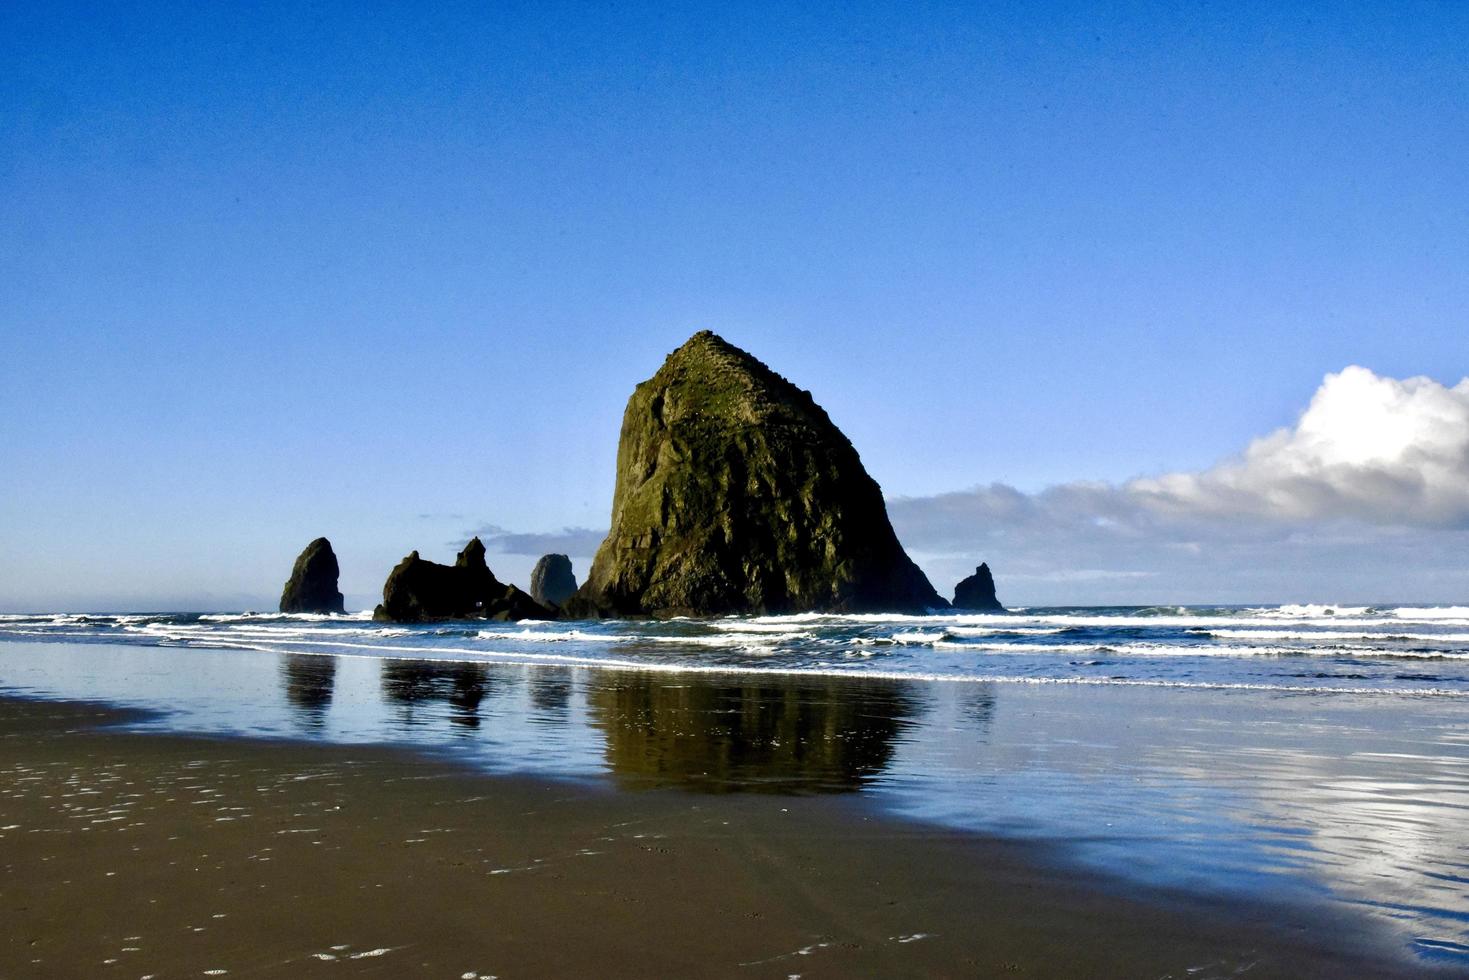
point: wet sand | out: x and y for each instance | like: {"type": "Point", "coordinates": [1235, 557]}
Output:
{"type": "Point", "coordinates": [136, 855]}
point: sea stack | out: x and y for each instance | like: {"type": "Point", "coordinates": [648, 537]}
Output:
{"type": "Point", "coordinates": [312, 587]}
{"type": "Point", "coordinates": [418, 590]}
{"type": "Point", "coordinates": [977, 592]}
{"type": "Point", "coordinates": [736, 493]}
{"type": "Point", "coordinates": [552, 581]}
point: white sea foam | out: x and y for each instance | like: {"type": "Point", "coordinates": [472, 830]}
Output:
{"type": "Point", "coordinates": [1176, 651]}
{"type": "Point", "coordinates": [532, 636]}
{"type": "Point", "coordinates": [1312, 611]}
{"type": "Point", "coordinates": [736, 642]}
{"type": "Point", "coordinates": [461, 655]}
{"type": "Point", "coordinates": [1432, 612]}
{"type": "Point", "coordinates": [252, 629]}
{"type": "Point", "coordinates": [918, 637]}
{"type": "Point", "coordinates": [1016, 630]}
{"type": "Point", "coordinates": [1324, 635]}
{"type": "Point", "coordinates": [750, 626]}
{"type": "Point", "coordinates": [1159, 645]}
{"type": "Point", "coordinates": [1063, 621]}
{"type": "Point", "coordinates": [363, 614]}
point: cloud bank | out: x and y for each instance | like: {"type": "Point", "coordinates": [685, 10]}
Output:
{"type": "Point", "coordinates": [578, 542]}
{"type": "Point", "coordinates": [1366, 496]}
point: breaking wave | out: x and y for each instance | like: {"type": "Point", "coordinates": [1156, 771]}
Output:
{"type": "Point", "coordinates": [1351, 649]}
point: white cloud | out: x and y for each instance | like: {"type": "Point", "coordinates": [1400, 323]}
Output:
{"type": "Point", "coordinates": [1367, 495]}
{"type": "Point", "coordinates": [1369, 448]}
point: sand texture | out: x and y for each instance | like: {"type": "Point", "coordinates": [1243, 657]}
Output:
{"type": "Point", "coordinates": [135, 855]}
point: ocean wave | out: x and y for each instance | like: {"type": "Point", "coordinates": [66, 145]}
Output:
{"type": "Point", "coordinates": [1214, 645]}
{"type": "Point", "coordinates": [1016, 620]}
{"type": "Point", "coordinates": [1312, 611]}
{"type": "Point", "coordinates": [912, 637]}
{"type": "Point", "coordinates": [374, 630]}
{"type": "Point", "coordinates": [937, 642]}
{"type": "Point", "coordinates": [541, 659]}
{"type": "Point", "coordinates": [1008, 630]}
{"type": "Point", "coordinates": [1328, 635]}
{"type": "Point", "coordinates": [531, 636]}
{"type": "Point", "coordinates": [1057, 621]}
{"type": "Point", "coordinates": [738, 641]}
{"type": "Point", "coordinates": [363, 614]}
{"type": "Point", "coordinates": [1432, 612]}
{"type": "Point", "coordinates": [747, 626]}
{"type": "Point", "coordinates": [1187, 650]}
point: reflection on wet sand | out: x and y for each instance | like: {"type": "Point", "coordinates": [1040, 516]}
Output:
{"type": "Point", "coordinates": [979, 709]}
{"type": "Point", "coordinates": [806, 737]}
{"type": "Point", "coordinates": [308, 682]}
{"type": "Point", "coordinates": [414, 682]}
{"type": "Point", "coordinates": [550, 689]}
{"type": "Point", "coordinates": [1362, 799]}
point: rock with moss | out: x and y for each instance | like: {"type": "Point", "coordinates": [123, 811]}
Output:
{"type": "Point", "coordinates": [552, 581]}
{"type": "Point", "coordinates": [312, 587]}
{"type": "Point", "coordinates": [418, 590]}
{"type": "Point", "coordinates": [736, 493]}
{"type": "Point", "coordinates": [977, 592]}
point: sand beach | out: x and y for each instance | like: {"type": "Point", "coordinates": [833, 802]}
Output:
{"type": "Point", "coordinates": [134, 854]}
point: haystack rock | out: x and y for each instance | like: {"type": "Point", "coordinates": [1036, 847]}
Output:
{"type": "Point", "coordinates": [419, 590]}
{"type": "Point", "coordinates": [312, 587]}
{"type": "Point", "coordinates": [552, 581]}
{"type": "Point", "coordinates": [736, 494]}
{"type": "Point", "coordinates": [977, 592]}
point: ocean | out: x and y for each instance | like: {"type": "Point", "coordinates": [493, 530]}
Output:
{"type": "Point", "coordinates": [1311, 753]}
{"type": "Point", "coordinates": [1392, 650]}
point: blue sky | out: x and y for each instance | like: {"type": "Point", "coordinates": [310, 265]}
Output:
{"type": "Point", "coordinates": [389, 274]}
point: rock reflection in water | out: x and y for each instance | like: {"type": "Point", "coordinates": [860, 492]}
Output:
{"type": "Point", "coordinates": [416, 682]}
{"type": "Point", "coordinates": [308, 682]}
{"type": "Point", "coordinates": [773, 737]}
{"type": "Point", "coordinates": [979, 710]}
{"type": "Point", "coordinates": [550, 690]}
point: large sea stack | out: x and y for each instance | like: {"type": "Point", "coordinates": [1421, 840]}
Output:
{"type": "Point", "coordinates": [736, 494]}
{"type": "Point", "coordinates": [312, 587]}
{"type": "Point", "coordinates": [977, 592]}
{"type": "Point", "coordinates": [418, 590]}
{"type": "Point", "coordinates": [552, 581]}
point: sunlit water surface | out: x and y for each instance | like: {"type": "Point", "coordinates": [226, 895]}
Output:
{"type": "Point", "coordinates": [1316, 753]}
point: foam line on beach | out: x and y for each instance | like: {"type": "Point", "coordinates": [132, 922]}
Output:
{"type": "Point", "coordinates": [939, 640]}
{"type": "Point", "coordinates": [593, 663]}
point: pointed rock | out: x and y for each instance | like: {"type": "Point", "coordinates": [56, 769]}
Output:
{"type": "Point", "coordinates": [312, 587]}
{"type": "Point", "coordinates": [552, 581]}
{"type": "Point", "coordinates": [418, 590]}
{"type": "Point", "coordinates": [737, 494]}
{"type": "Point", "coordinates": [977, 592]}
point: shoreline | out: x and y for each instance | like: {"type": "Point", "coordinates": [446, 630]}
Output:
{"type": "Point", "coordinates": [500, 658]}
{"type": "Point", "coordinates": [411, 863]}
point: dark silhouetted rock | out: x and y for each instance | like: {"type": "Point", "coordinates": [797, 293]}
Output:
{"type": "Point", "coordinates": [419, 590]}
{"type": "Point", "coordinates": [312, 587]}
{"type": "Point", "coordinates": [552, 581]}
{"type": "Point", "coordinates": [736, 494]}
{"type": "Point", "coordinates": [977, 592]}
